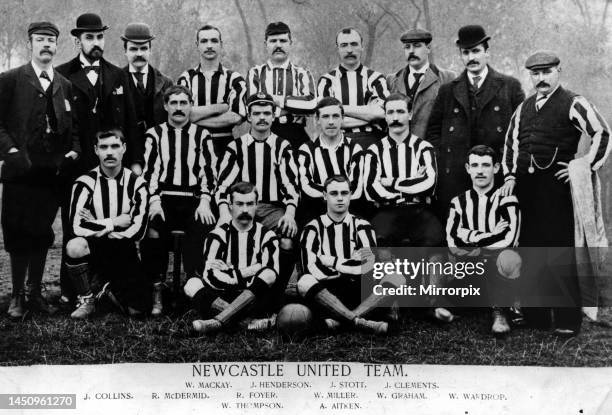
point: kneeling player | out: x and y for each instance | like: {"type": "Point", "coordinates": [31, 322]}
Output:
{"type": "Point", "coordinates": [334, 246]}
{"type": "Point", "coordinates": [108, 215]}
{"type": "Point", "coordinates": [484, 224]}
{"type": "Point", "coordinates": [241, 264]}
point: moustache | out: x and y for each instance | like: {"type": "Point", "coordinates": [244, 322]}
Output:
{"type": "Point", "coordinates": [395, 123]}
{"type": "Point", "coordinates": [139, 59]}
{"type": "Point", "coordinates": [350, 55]}
{"type": "Point", "coordinates": [412, 56]}
{"type": "Point", "coordinates": [473, 62]}
{"type": "Point", "coordinates": [178, 112]}
{"type": "Point", "coordinates": [110, 158]}
{"type": "Point", "coordinates": [279, 50]}
{"type": "Point", "coordinates": [244, 216]}
{"type": "Point", "coordinates": [542, 83]}
{"type": "Point", "coordinates": [262, 122]}
{"type": "Point", "coordinates": [480, 177]}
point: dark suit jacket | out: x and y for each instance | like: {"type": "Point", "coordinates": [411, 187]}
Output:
{"type": "Point", "coordinates": [425, 95]}
{"type": "Point", "coordinates": [161, 82]}
{"type": "Point", "coordinates": [22, 117]}
{"type": "Point", "coordinates": [452, 134]}
{"type": "Point", "coordinates": [116, 110]}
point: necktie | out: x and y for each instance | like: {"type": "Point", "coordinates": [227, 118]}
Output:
{"type": "Point", "coordinates": [540, 101]}
{"type": "Point", "coordinates": [45, 75]}
{"type": "Point", "coordinates": [417, 79]}
{"type": "Point", "coordinates": [139, 81]}
{"type": "Point", "coordinates": [90, 68]}
{"type": "Point", "coordinates": [476, 81]}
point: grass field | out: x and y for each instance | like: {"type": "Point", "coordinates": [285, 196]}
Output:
{"type": "Point", "coordinates": [112, 338]}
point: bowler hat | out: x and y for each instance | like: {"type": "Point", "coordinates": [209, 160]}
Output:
{"type": "Point", "coordinates": [542, 59]}
{"type": "Point", "coordinates": [416, 35]}
{"type": "Point", "coordinates": [470, 36]}
{"type": "Point", "coordinates": [137, 33]}
{"type": "Point", "coordinates": [88, 22]}
{"type": "Point", "coordinates": [44, 28]}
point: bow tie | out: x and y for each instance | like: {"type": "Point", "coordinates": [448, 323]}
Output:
{"type": "Point", "coordinates": [88, 69]}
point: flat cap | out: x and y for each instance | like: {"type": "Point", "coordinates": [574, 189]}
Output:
{"type": "Point", "coordinates": [542, 59]}
{"type": "Point", "coordinates": [416, 35]}
{"type": "Point", "coordinates": [44, 28]}
{"type": "Point", "coordinates": [260, 98]}
{"type": "Point", "coordinates": [277, 28]}
{"type": "Point", "coordinates": [137, 33]}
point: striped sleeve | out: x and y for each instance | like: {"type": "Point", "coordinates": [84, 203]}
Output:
{"type": "Point", "coordinates": [509, 211]}
{"type": "Point", "coordinates": [289, 175]}
{"type": "Point", "coordinates": [215, 247]}
{"type": "Point", "coordinates": [378, 88]}
{"type": "Point", "coordinates": [585, 117]}
{"type": "Point", "coordinates": [82, 192]}
{"type": "Point", "coordinates": [422, 183]}
{"type": "Point", "coordinates": [306, 168]}
{"type": "Point", "coordinates": [137, 190]}
{"type": "Point", "coordinates": [305, 101]}
{"type": "Point", "coordinates": [311, 250]}
{"type": "Point", "coordinates": [453, 224]}
{"type": "Point", "coordinates": [185, 80]}
{"type": "Point", "coordinates": [356, 172]}
{"type": "Point", "coordinates": [208, 163]}
{"type": "Point", "coordinates": [237, 98]}
{"type": "Point", "coordinates": [229, 169]}
{"type": "Point", "coordinates": [324, 87]}
{"type": "Point", "coordinates": [374, 189]}
{"type": "Point", "coordinates": [365, 234]}
{"type": "Point", "coordinates": [270, 252]}
{"type": "Point", "coordinates": [510, 157]}
{"type": "Point", "coordinates": [252, 81]}
{"type": "Point", "coordinates": [152, 168]}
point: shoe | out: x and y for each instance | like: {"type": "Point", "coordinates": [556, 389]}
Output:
{"type": "Point", "coordinates": [443, 315]}
{"type": "Point", "coordinates": [565, 332]}
{"type": "Point", "coordinates": [158, 307]}
{"type": "Point", "coordinates": [516, 316]}
{"type": "Point", "coordinates": [262, 324]}
{"type": "Point", "coordinates": [394, 313]}
{"type": "Point", "coordinates": [331, 324]}
{"type": "Point", "coordinates": [38, 304]}
{"type": "Point", "coordinates": [500, 324]}
{"type": "Point", "coordinates": [376, 327]}
{"type": "Point", "coordinates": [87, 306]}
{"type": "Point", "coordinates": [207, 326]}
{"type": "Point", "coordinates": [106, 292]}
{"type": "Point", "coordinates": [17, 308]}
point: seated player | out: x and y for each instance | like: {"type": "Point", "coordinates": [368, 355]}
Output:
{"type": "Point", "coordinates": [241, 264]}
{"type": "Point", "coordinates": [266, 160]}
{"type": "Point", "coordinates": [334, 247]}
{"type": "Point", "coordinates": [482, 223]}
{"type": "Point", "coordinates": [180, 168]}
{"type": "Point", "coordinates": [108, 213]}
{"type": "Point", "coordinates": [330, 154]}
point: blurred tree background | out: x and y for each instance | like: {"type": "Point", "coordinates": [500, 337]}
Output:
{"type": "Point", "coordinates": [576, 29]}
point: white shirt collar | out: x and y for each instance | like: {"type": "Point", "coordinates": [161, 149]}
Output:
{"type": "Point", "coordinates": [422, 70]}
{"type": "Point", "coordinates": [547, 95]}
{"type": "Point", "coordinates": [38, 71]}
{"type": "Point", "coordinates": [85, 62]}
{"type": "Point", "coordinates": [283, 66]}
{"type": "Point", "coordinates": [483, 76]}
{"type": "Point", "coordinates": [338, 144]}
{"type": "Point", "coordinates": [145, 70]}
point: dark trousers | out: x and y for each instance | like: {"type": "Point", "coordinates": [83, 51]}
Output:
{"type": "Point", "coordinates": [548, 223]}
{"type": "Point", "coordinates": [295, 133]}
{"type": "Point", "coordinates": [411, 225]}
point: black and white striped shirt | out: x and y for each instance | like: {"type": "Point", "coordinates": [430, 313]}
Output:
{"type": "Point", "coordinates": [241, 249]}
{"type": "Point", "coordinates": [338, 240]}
{"type": "Point", "coordinates": [318, 162]}
{"type": "Point", "coordinates": [268, 164]}
{"type": "Point", "coordinates": [223, 87]}
{"type": "Point", "coordinates": [359, 87]}
{"type": "Point", "coordinates": [107, 198]}
{"type": "Point", "coordinates": [473, 216]}
{"type": "Point", "coordinates": [180, 160]}
{"type": "Point", "coordinates": [293, 83]}
{"type": "Point", "coordinates": [400, 173]}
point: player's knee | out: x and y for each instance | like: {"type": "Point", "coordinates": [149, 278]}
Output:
{"type": "Point", "coordinates": [286, 244]}
{"type": "Point", "coordinates": [152, 233]}
{"type": "Point", "coordinates": [77, 248]}
{"type": "Point", "coordinates": [268, 276]}
{"type": "Point", "coordinates": [305, 283]}
{"type": "Point", "coordinates": [192, 286]}
{"type": "Point", "coordinates": [509, 264]}
{"type": "Point", "coordinates": [393, 280]}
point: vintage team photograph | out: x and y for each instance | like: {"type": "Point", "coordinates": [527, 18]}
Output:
{"type": "Point", "coordinates": [379, 181]}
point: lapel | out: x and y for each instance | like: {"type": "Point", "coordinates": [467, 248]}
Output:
{"type": "Point", "coordinates": [401, 79]}
{"type": "Point", "coordinates": [460, 91]}
{"type": "Point", "coordinates": [32, 78]}
{"type": "Point", "coordinates": [491, 85]}
{"type": "Point", "coordinates": [107, 77]}
{"type": "Point", "coordinates": [77, 76]}
{"type": "Point", "coordinates": [428, 79]}
{"type": "Point", "coordinates": [157, 79]}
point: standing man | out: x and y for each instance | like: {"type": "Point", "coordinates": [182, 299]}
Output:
{"type": "Point", "coordinates": [361, 90]}
{"type": "Point", "coordinates": [147, 83]}
{"type": "Point", "coordinates": [266, 160]}
{"type": "Point", "coordinates": [180, 169]}
{"type": "Point", "coordinates": [37, 135]}
{"type": "Point", "coordinates": [101, 102]}
{"type": "Point", "coordinates": [292, 87]}
{"type": "Point", "coordinates": [473, 109]}
{"type": "Point", "coordinates": [108, 212]}
{"type": "Point", "coordinates": [218, 93]}
{"type": "Point", "coordinates": [420, 80]}
{"type": "Point", "coordinates": [241, 265]}
{"type": "Point", "coordinates": [332, 153]}
{"type": "Point", "coordinates": [541, 140]}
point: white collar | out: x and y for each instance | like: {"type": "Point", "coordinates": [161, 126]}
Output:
{"type": "Point", "coordinates": [483, 76]}
{"type": "Point", "coordinates": [338, 144]}
{"type": "Point", "coordinates": [422, 70]}
{"type": "Point", "coordinates": [145, 70]}
{"type": "Point", "coordinates": [285, 65]}
{"type": "Point", "coordinates": [547, 95]}
{"type": "Point", "coordinates": [38, 71]}
{"type": "Point", "coordinates": [85, 62]}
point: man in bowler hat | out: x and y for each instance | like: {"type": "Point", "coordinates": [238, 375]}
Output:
{"type": "Point", "coordinates": [473, 109]}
